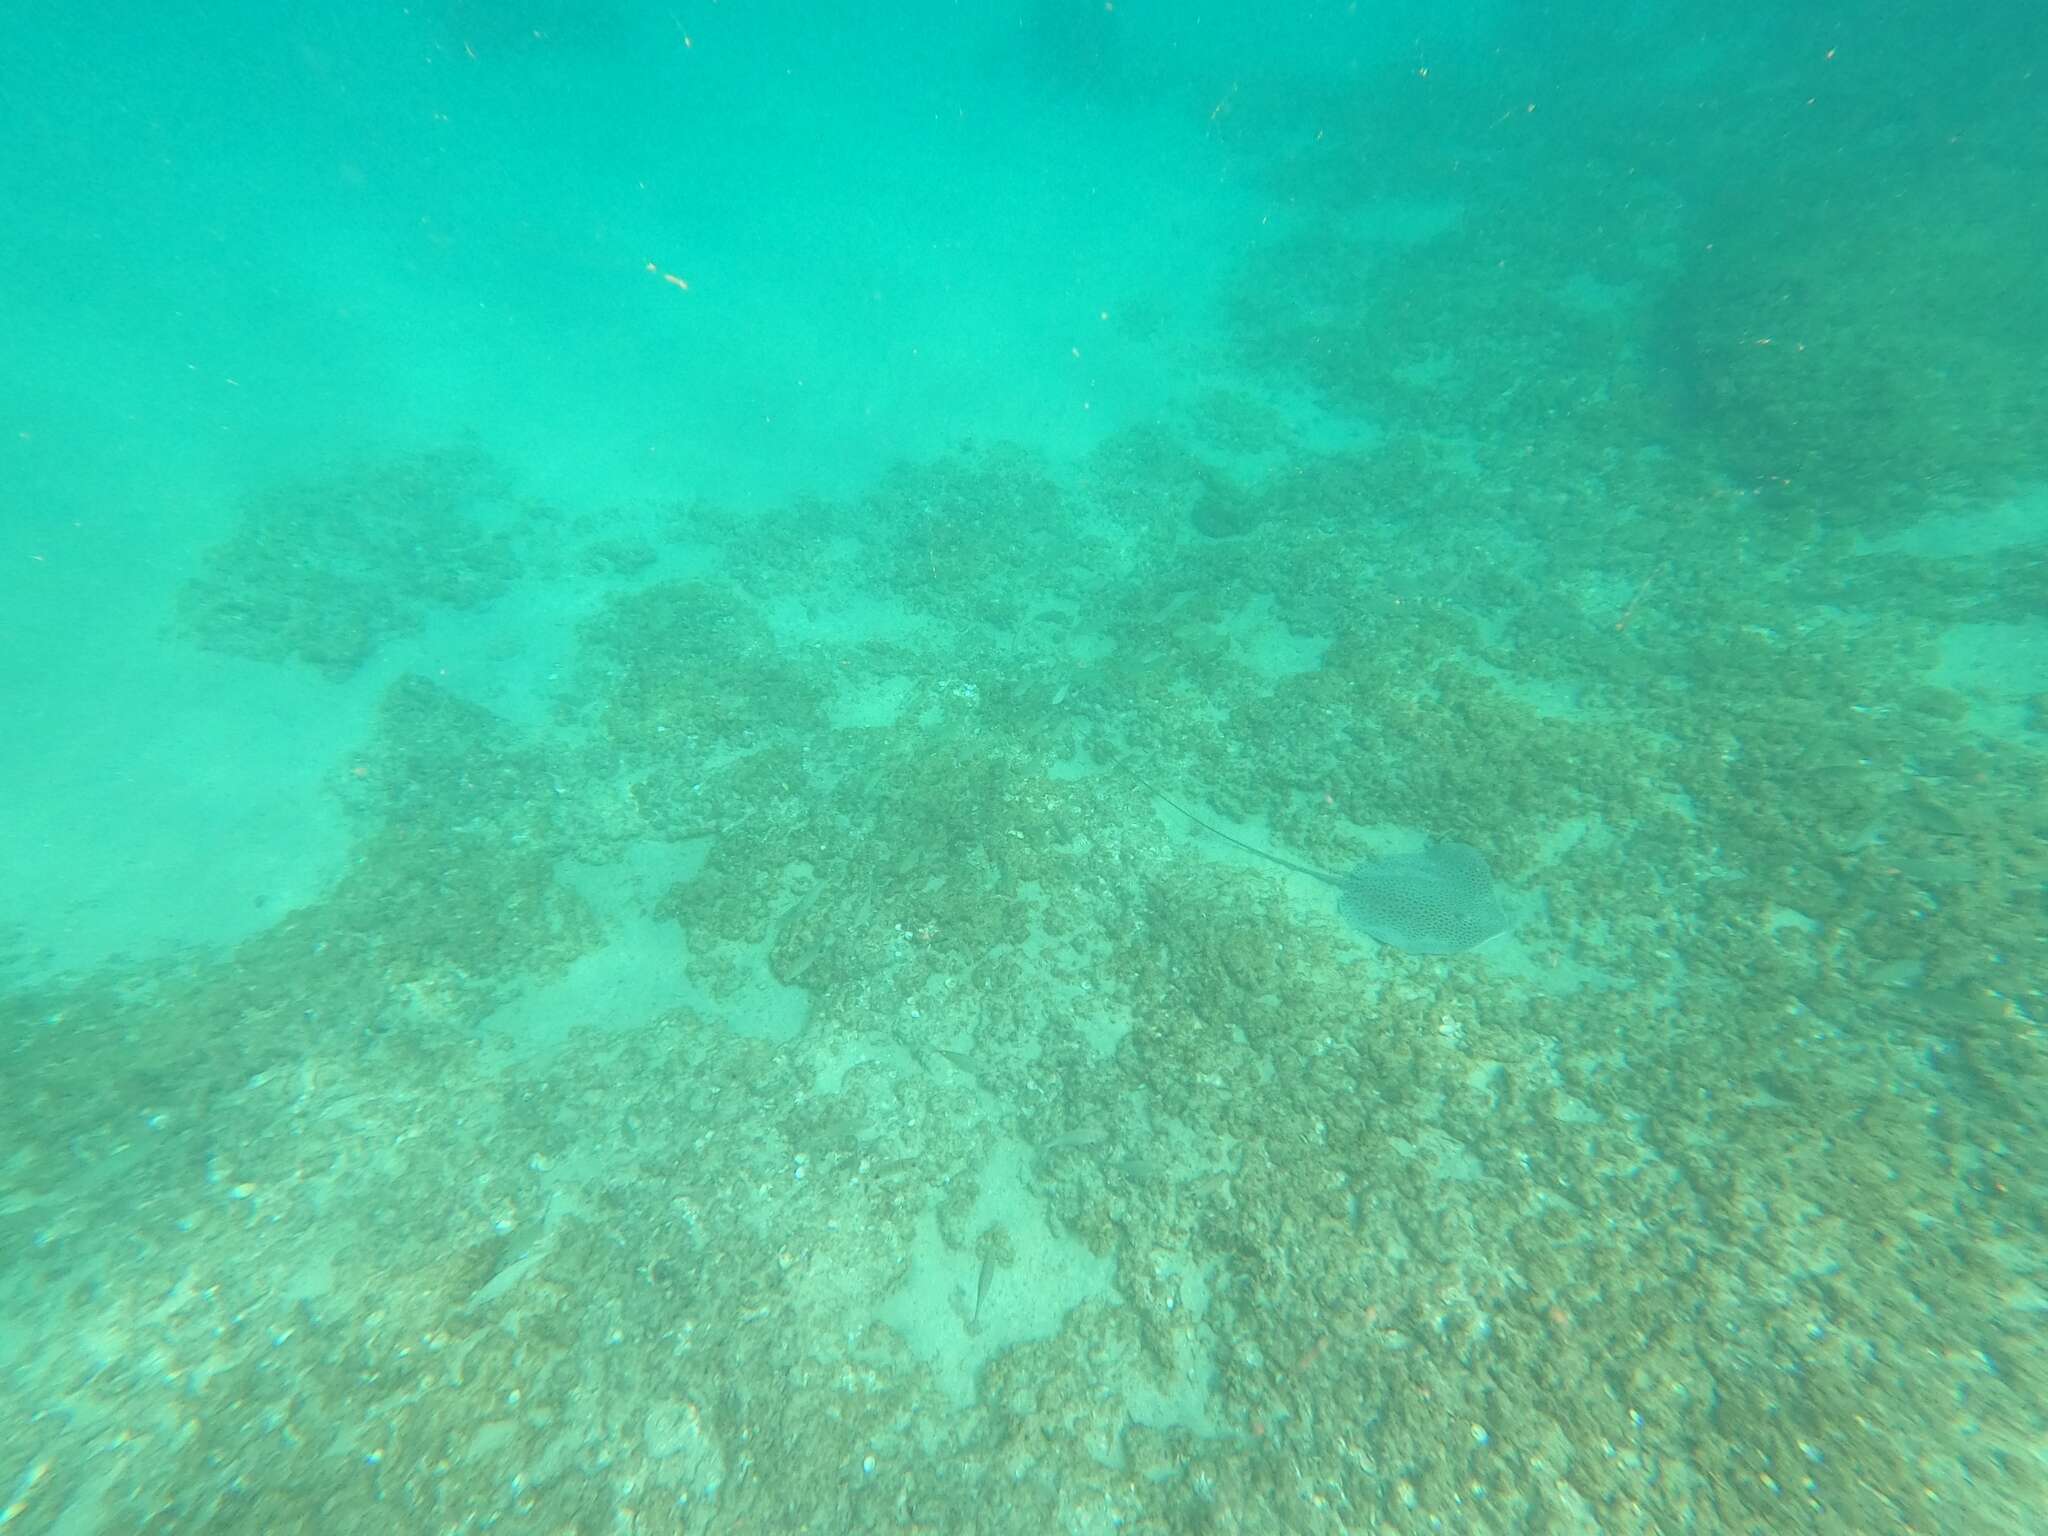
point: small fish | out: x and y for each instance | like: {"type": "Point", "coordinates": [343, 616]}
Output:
{"type": "Point", "coordinates": [1087, 1136]}
{"type": "Point", "coordinates": [988, 1274]}
{"type": "Point", "coordinates": [960, 1059]}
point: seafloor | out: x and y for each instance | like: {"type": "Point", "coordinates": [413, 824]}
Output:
{"type": "Point", "coordinates": [803, 1081]}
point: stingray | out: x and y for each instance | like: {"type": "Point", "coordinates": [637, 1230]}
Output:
{"type": "Point", "coordinates": [1439, 901]}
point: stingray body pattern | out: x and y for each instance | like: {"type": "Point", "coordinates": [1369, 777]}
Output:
{"type": "Point", "coordinates": [1439, 901]}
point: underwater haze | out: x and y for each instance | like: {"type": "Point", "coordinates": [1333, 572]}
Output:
{"type": "Point", "coordinates": [1033, 767]}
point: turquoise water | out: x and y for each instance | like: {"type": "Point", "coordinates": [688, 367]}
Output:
{"type": "Point", "coordinates": [651, 649]}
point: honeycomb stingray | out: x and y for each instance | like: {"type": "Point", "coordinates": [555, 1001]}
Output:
{"type": "Point", "coordinates": [1436, 902]}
